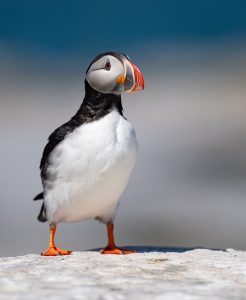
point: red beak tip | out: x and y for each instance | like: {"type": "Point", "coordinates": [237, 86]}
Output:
{"type": "Point", "coordinates": [138, 78]}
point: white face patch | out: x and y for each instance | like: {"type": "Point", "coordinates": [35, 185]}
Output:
{"type": "Point", "coordinates": [103, 74]}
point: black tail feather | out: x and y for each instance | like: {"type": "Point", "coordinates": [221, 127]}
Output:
{"type": "Point", "coordinates": [39, 197]}
{"type": "Point", "coordinates": [42, 214]}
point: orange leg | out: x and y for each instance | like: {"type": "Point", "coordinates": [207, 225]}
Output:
{"type": "Point", "coordinates": [111, 248]}
{"type": "Point", "coordinates": [52, 250]}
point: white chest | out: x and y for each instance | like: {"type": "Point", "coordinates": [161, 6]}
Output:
{"type": "Point", "coordinates": [90, 168]}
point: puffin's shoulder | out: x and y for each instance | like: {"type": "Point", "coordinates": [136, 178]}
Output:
{"type": "Point", "coordinates": [95, 106]}
{"type": "Point", "coordinates": [57, 136]}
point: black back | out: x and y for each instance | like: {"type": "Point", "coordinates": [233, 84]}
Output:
{"type": "Point", "coordinates": [95, 105]}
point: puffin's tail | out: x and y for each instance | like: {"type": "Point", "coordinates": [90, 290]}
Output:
{"type": "Point", "coordinates": [42, 214]}
{"type": "Point", "coordinates": [39, 197]}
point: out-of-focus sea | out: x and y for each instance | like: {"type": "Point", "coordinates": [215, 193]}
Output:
{"type": "Point", "coordinates": [189, 184]}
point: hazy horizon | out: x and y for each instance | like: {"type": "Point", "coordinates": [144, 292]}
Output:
{"type": "Point", "coordinates": [188, 187]}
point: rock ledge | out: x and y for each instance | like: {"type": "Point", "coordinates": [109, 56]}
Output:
{"type": "Point", "coordinates": [153, 273]}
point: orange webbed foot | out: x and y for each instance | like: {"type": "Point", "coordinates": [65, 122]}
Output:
{"type": "Point", "coordinates": [54, 251]}
{"type": "Point", "coordinates": [116, 250]}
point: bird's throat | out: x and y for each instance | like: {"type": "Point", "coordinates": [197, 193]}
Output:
{"type": "Point", "coordinates": [96, 104]}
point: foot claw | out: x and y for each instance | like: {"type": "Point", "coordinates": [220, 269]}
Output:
{"type": "Point", "coordinates": [63, 251]}
{"type": "Point", "coordinates": [119, 251]}
{"type": "Point", "coordinates": [54, 251]}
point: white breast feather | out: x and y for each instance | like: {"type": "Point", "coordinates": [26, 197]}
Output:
{"type": "Point", "coordinates": [89, 170]}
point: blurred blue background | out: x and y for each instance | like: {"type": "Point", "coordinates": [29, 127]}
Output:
{"type": "Point", "coordinates": [188, 187]}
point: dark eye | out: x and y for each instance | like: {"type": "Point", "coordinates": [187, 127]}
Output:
{"type": "Point", "coordinates": [107, 66]}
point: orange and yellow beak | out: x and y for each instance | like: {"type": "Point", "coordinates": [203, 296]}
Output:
{"type": "Point", "coordinates": [138, 79]}
{"type": "Point", "coordinates": [134, 80]}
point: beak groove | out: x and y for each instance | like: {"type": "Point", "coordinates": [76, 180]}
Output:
{"type": "Point", "coordinates": [134, 79]}
{"type": "Point", "coordinates": [138, 79]}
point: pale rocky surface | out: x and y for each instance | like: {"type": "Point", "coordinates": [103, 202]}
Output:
{"type": "Point", "coordinates": [153, 273]}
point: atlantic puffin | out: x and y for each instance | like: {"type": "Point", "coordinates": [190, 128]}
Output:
{"type": "Point", "coordinates": [87, 161]}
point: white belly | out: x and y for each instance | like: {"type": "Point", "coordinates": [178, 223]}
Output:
{"type": "Point", "coordinates": [89, 170]}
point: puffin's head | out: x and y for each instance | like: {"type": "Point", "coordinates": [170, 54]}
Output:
{"type": "Point", "coordinates": [114, 73]}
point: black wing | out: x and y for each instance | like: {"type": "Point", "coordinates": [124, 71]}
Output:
{"type": "Point", "coordinates": [56, 137]}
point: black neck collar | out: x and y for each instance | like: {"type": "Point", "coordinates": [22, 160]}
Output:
{"type": "Point", "coordinates": [96, 104]}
